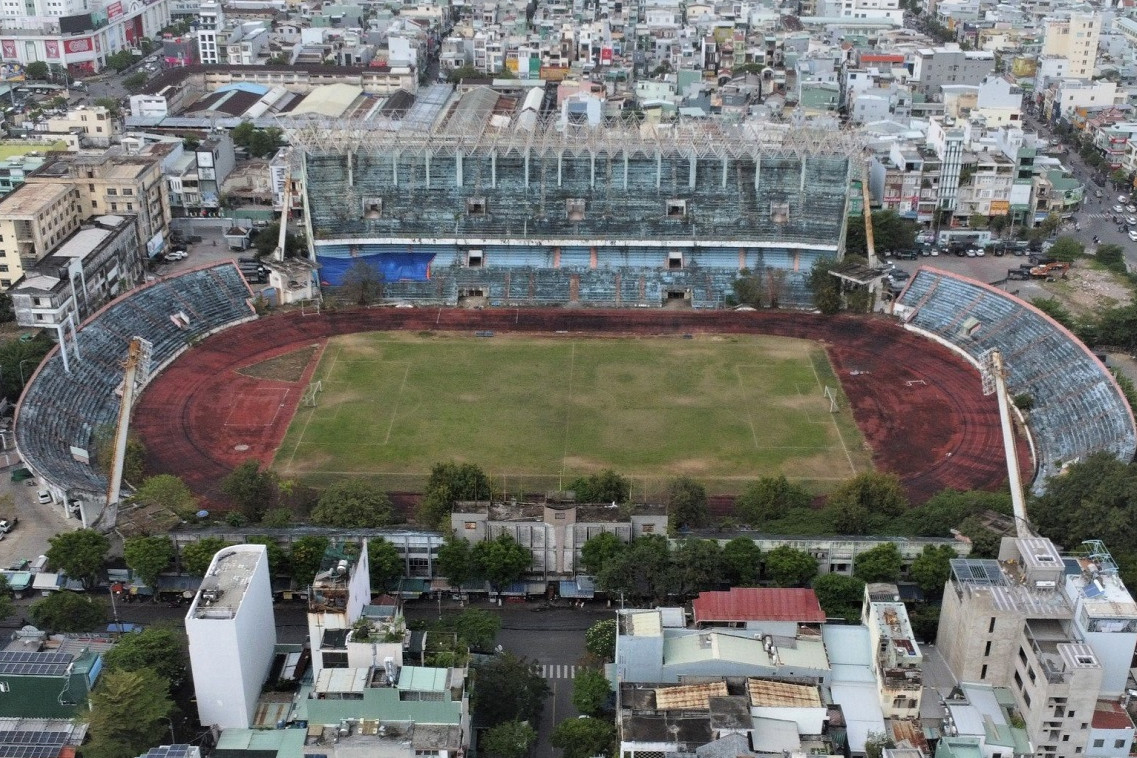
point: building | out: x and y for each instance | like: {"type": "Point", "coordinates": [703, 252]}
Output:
{"type": "Point", "coordinates": [231, 633]}
{"type": "Point", "coordinates": [14, 169]}
{"type": "Point", "coordinates": [45, 683]}
{"type": "Point", "coordinates": [99, 262]}
{"type": "Point", "coordinates": [339, 593]}
{"type": "Point", "coordinates": [773, 609]}
{"type": "Point", "coordinates": [934, 67]}
{"type": "Point", "coordinates": [115, 181]}
{"type": "Point", "coordinates": [211, 34]}
{"type": "Point", "coordinates": [34, 219]}
{"type": "Point", "coordinates": [93, 123]}
{"type": "Point", "coordinates": [75, 35]}
{"type": "Point", "coordinates": [897, 661]}
{"type": "Point", "coordinates": [553, 533]}
{"type": "Point", "coordinates": [1071, 40]}
{"type": "Point", "coordinates": [1058, 632]}
{"type": "Point", "coordinates": [615, 215]}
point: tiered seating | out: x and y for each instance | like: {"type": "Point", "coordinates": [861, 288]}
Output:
{"type": "Point", "coordinates": [60, 410]}
{"type": "Point", "coordinates": [1078, 409]}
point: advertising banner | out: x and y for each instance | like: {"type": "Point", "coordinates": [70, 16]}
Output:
{"type": "Point", "coordinates": [8, 48]}
{"type": "Point", "coordinates": [114, 10]}
{"type": "Point", "coordinates": [51, 48]}
{"type": "Point", "coordinates": [76, 46]}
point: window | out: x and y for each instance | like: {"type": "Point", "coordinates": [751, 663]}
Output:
{"type": "Point", "coordinates": [1030, 673]}
{"type": "Point", "coordinates": [127, 191]}
{"type": "Point", "coordinates": [130, 206]}
{"type": "Point", "coordinates": [5, 282]}
{"type": "Point", "coordinates": [1101, 743]}
{"type": "Point", "coordinates": [471, 524]}
{"type": "Point", "coordinates": [987, 649]}
{"type": "Point", "coordinates": [1018, 680]}
{"type": "Point", "coordinates": [674, 260]}
{"type": "Point", "coordinates": [114, 206]}
{"type": "Point", "coordinates": [1118, 744]}
{"type": "Point", "coordinates": [112, 191]}
{"type": "Point", "coordinates": [1026, 697]}
{"type": "Point", "coordinates": [476, 206]}
{"type": "Point", "coordinates": [94, 203]}
{"type": "Point", "coordinates": [647, 528]}
{"type": "Point", "coordinates": [559, 516]}
{"type": "Point", "coordinates": [574, 209]}
{"type": "Point", "coordinates": [991, 626]}
{"type": "Point", "coordinates": [474, 259]}
{"type": "Point", "coordinates": [372, 207]}
{"type": "Point", "coordinates": [676, 208]}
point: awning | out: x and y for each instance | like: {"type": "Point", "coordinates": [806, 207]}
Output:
{"type": "Point", "coordinates": [582, 588]}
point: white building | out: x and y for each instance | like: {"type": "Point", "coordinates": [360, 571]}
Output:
{"type": "Point", "coordinates": [1074, 40]}
{"type": "Point", "coordinates": [211, 25]}
{"type": "Point", "coordinates": [231, 633]}
{"type": "Point", "coordinates": [339, 592]}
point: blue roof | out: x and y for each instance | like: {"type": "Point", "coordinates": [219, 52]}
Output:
{"type": "Point", "coordinates": [256, 89]}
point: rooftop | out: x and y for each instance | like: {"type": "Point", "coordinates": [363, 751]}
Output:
{"type": "Point", "coordinates": [690, 697]}
{"type": "Point", "coordinates": [758, 604]}
{"type": "Point", "coordinates": [33, 199]}
{"type": "Point", "coordinates": [772, 694]}
{"type": "Point", "coordinates": [224, 585]}
{"type": "Point", "coordinates": [1110, 715]}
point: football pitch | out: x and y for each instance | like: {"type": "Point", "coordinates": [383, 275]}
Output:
{"type": "Point", "coordinates": [536, 412]}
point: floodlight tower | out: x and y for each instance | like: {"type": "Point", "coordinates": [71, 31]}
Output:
{"type": "Point", "coordinates": [995, 382]}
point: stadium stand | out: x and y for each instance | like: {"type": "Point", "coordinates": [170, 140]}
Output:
{"type": "Point", "coordinates": [1078, 407]}
{"type": "Point", "coordinates": [60, 411]}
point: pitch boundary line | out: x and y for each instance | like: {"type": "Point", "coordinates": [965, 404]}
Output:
{"type": "Point", "coordinates": [371, 472]}
{"type": "Point", "coordinates": [568, 411]}
{"type": "Point", "coordinates": [399, 399]}
{"type": "Point", "coordinates": [840, 437]}
{"type": "Point", "coordinates": [749, 415]}
{"type": "Point", "coordinates": [311, 413]}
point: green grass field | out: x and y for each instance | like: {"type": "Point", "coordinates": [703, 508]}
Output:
{"type": "Point", "coordinates": [534, 412]}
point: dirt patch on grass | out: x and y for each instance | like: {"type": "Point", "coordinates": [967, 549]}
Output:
{"type": "Point", "coordinates": [1088, 290]}
{"type": "Point", "coordinates": [283, 368]}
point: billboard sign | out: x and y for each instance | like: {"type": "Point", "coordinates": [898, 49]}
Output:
{"type": "Point", "coordinates": [77, 46]}
{"type": "Point", "coordinates": [51, 48]}
{"type": "Point", "coordinates": [114, 10]}
{"type": "Point", "coordinates": [8, 48]}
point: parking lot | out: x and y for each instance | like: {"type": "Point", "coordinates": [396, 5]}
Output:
{"type": "Point", "coordinates": [37, 522]}
{"type": "Point", "coordinates": [989, 268]}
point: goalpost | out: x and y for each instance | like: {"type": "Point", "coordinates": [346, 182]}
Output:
{"type": "Point", "coordinates": [833, 407]}
{"type": "Point", "coordinates": [310, 393]}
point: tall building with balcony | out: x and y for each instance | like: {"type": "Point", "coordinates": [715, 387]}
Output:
{"type": "Point", "coordinates": [340, 591]}
{"type": "Point", "coordinates": [1071, 41]}
{"type": "Point", "coordinates": [232, 634]}
{"type": "Point", "coordinates": [1058, 631]}
{"type": "Point", "coordinates": [210, 33]}
{"type": "Point", "coordinates": [34, 219]}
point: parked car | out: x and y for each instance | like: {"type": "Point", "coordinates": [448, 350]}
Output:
{"type": "Point", "coordinates": [43, 496]}
{"type": "Point", "coordinates": [7, 525]}
{"type": "Point", "coordinates": [907, 255]}
{"type": "Point", "coordinates": [21, 474]}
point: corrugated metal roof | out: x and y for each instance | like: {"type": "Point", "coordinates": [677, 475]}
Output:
{"type": "Point", "coordinates": [691, 697]}
{"type": "Point", "coordinates": [758, 604]}
{"type": "Point", "coordinates": [771, 694]}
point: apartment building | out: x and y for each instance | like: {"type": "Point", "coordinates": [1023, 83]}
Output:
{"type": "Point", "coordinates": [934, 67]}
{"type": "Point", "coordinates": [985, 186]}
{"type": "Point", "coordinates": [211, 34]}
{"type": "Point", "coordinates": [1071, 41]}
{"type": "Point", "coordinates": [93, 123]}
{"type": "Point", "coordinates": [339, 593]}
{"type": "Point", "coordinates": [1058, 631]}
{"type": "Point", "coordinates": [34, 219]}
{"type": "Point", "coordinates": [115, 182]}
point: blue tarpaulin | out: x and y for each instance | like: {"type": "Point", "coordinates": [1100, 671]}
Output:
{"type": "Point", "coordinates": [393, 267]}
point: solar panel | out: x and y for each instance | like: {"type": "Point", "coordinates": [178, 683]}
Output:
{"type": "Point", "coordinates": [1091, 590]}
{"type": "Point", "coordinates": [34, 664]}
{"type": "Point", "coordinates": [32, 744]}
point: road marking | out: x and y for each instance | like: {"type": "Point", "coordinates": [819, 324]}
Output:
{"type": "Point", "coordinates": [558, 671]}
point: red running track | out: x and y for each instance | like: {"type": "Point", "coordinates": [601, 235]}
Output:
{"type": "Point", "coordinates": [920, 406]}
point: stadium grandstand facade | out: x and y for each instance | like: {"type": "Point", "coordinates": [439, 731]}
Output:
{"type": "Point", "coordinates": [464, 194]}
{"type": "Point", "coordinates": [1078, 410]}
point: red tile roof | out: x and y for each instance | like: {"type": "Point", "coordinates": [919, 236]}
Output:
{"type": "Point", "coordinates": [1109, 715]}
{"type": "Point", "coordinates": [758, 604]}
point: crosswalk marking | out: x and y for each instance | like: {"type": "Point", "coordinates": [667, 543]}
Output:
{"type": "Point", "coordinates": [558, 671]}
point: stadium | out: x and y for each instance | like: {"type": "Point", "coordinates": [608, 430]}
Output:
{"type": "Point", "coordinates": [605, 256]}
{"type": "Point", "coordinates": [471, 195]}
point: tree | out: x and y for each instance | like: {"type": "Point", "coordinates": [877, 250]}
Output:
{"type": "Point", "coordinates": [501, 561]}
{"type": "Point", "coordinates": [878, 564]}
{"type": "Point", "coordinates": [362, 283]}
{"type": "Point", "coordinates": [590, 691]}
{"type": "Point", "coordinates": [932, 569]}
{"type": "Point", "coordinates": [984, 542]}
{"type": "Point", "coordinates": [128, 714]}
{"type": "Point", "coordinates": [36, 70]}
{"type": "Point", "coordinates": [1067, 249]}
{"type": "Point", "coordinates": [277, 558]}
{"type": "Point", "coordinates": [477, 628]}
{"type": "Point", "coordinates": [7, 607]}
{"type": "Point", "coordinates": [697, 566]}
{"type": "Point", "coordinates": [268, 239]}
{"type": "Point", "coordinates": [121, 60]}
{"type": "Point", "coordinates": [1119, 177]}
{"type": "Point", "coordinates": [464, 72]}
{"type": "Point", "coordinates": [79, 554]}
{"type": "Point", "coordinates": [158, 648]}
{"type": "Point", "coordinates": [741, 562]}
{"type": "Point", "coordinates": [890, 232]}
{"type": "Point", "coordinates": [865, 497]}
{"type": "Point", "coordinates": [167, 491]}
{"type": "Point", "coordinates": [825, 287]}
{"type": "Point", "coordinates": [384, 562]}
{"type": "Point", "coordinates": [196, 556]}
{"type": "Point", "coordinates": [604, 487]}
{"type": "Point", "coordinates": [840, 596]}
{"type": "Point", "coordinates": [306, 556]}
{"type": "Point", "coordinates": [449, 483]}
{"type": "Point", "coordinates": [584, 738]}
{"type": "Point", "coordinates": [1112, 257]}
{"type": "Point", "coordinates": [353, 504]}
{"type": "Point", "coordinates": [642, 571]}
{"type": "Point", "coordinates": [686, 503]}
{"type": "Point", "coordinates": [251, 489]}
{"type": "Point", "coordinates": [787, 567]}
{"type": "Point", "coordinates": [509, 739]}
{"type": "Point", "coordinates": [148, 557]}
{"type": "Point", "coordinates": [276, 518]}
{"type": "Point", "coordinates": [599, 550]}
{"type": "Point", "coordinates": [66, 612]}
{"type": "Point", "coordinates": [769, 497]}
{"type": "Point", "coordinates": [749, 288]}
{"type": "Point", "coordinates": [455, 561]}
{"type": "Point", "coordinates": [509, 688]}
{"type": "Point", "coordinates": [20, 359]}
{"type": "Point", "coordinates": [876, 743]}
{"type": "Point", "coordinates": [135, 81]}
{"type": "Point", "coordinates": [600, 640]}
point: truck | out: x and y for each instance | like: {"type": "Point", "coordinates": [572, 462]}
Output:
{"type": "Point", "coordinates": [1050, 271]}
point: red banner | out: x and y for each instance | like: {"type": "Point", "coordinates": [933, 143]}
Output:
{"type": "Point", "coordinates": [114, 10]}
{"type": "Point", "coordinates": [52, 48]}
{"type": "Point", "coordinates": [8, 48]}
{"type": "Point", "coordinates": [81, 45]}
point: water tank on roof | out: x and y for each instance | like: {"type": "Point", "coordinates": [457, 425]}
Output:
{"type": "Point", "coordinates": [341, 568]}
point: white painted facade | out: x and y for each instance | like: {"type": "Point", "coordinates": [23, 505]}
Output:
{"type": "Point", "coordinates": [232, 632]}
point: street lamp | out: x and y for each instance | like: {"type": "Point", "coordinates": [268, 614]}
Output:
{"type": "Point", "coordinates": [22, 380]}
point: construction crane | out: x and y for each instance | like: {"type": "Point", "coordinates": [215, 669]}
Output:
{"type": "Point", "coordinates": [866, 197]}
{"type": "Point", "coordinates": [137, 358]}
{"type": "Point", "coordinates": [282, 239]}
{"type": "Point", "coordinates": [995, 380]}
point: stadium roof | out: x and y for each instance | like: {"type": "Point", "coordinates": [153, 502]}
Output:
{"type": "Point", "coordinates": [758, 604]}
{"type": "Point", "coordinates": [331, 100]}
